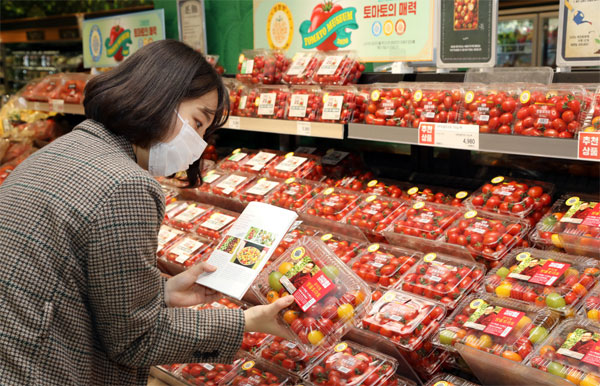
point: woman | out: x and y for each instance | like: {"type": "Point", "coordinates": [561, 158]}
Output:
{"type": "Point", "coordinates": [82, 300]}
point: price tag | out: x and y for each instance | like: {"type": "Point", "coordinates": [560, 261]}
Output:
{"type": "Point", "coordinates": [233, 122]}
{"type": "Point", "coordinates": [303, 128]}
{"type": "Point", "coordinates": [449, 135]}
{"type": "Point", "coordinates": [37, 106]}
{"type": "Point", "coordinates": [588, 146]}
{"type": "Point", "coordinates": [57, 105]}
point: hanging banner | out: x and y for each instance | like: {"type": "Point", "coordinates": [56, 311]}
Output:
{"type": "Point", "coordinates": [192, 23]}
{"type": "Point", "coordinates": [578, 33]}
{"type": "Point", "coordinates": [107, 41]}
{"type": "Point", "coordinates": [378, 30]}
{"type": "Point", "coordinates": [467, 36]}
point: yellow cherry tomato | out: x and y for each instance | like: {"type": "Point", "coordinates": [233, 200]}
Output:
{"type": "Point", "coordinates": [571, 272]}
{"type": "Point", "coordinates": [472, 341]}
{"type": "Point", "coordinates": [574, 376]}
{"type": "Point", "coordinates": [513, 356]}
{"type": "Point", "coordinates": [556, 241]}
{"type": "Point", "coordinates": [290, 315]}
{"type": "Point", "coordinates": [345, 311]}
{"type": "Point", "coordinates": [523, 322]}
{"type": "Point", "coordinates": [315, 337]}
{"type": "Point", "coordinates": [485, 341]}
{"type": "Point", "coordinates": [590, 380]}
{"type": "Point", "coordinates": [272, 296]}
{"type": "Point", "coordinates": [285, 267]}
{"type": "Point", "coordinates": [593, 314]}
{"type": "Point", "coordinates": [503, 290]}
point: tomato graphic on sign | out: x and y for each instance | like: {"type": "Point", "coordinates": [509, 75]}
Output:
{"type": "Point", "coordinates": [319, 16]}
{"type": "Point", "coordinates": [117, 45]}
{"type": "Point", "coordinates": [327, 28]}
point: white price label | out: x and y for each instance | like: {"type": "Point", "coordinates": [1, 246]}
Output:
{"type": "Point", "coordinates": [57, 105]}
{"type": "Point", "coordinates": [37, 106]}
{"type": "Point", "coordinates": [330, 64]}
{"type": "Point", "coordinates": [233, 122]}
{"type": "Point", "coordinates": [298, 105]}
{"type": "Point", "coordinates": [449, 135]}
{"type": "Point", "coordinates": [303, 128]}
{"type": "Point", "coordinates": [333, 107]}
{"type": "Point", "coordinates": [300, 62]}
{"type": "Point", "coordinates": [266, 103]}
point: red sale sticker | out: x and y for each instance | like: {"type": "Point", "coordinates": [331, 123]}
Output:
{"type": "Point", "coordinates": [426, 134]}
{"type": "Point", "coordinates": [504, 322]}
{"type": "Point", "coordinates": [588, 146]}
{"type": "Point", "coordinates": [313, 290]}
{"type": "Point", "coordinates": [593, 218]}
{"type": "Point", "coordinates": [593, 356]}
{"type": "Point", "coordinates": [549, 272]}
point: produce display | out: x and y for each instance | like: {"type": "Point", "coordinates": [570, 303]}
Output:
{"type": "Point", "coordinates": [436, 102]}
{"type": "Point", "coordinates": [294, 193]}
{"type": "Point", "coordinates": [389, 104]}
{"type": "Point", "coordinates": [340, 105]}
{"type": "Point", "coordinates": [332, 204]}
{"type": "Point", "coordinates": [428, 360]}
{"type": "Point", "coordinates": [71, 88]}
{"type": "Point", "coordinates": [166, 237]}
{"type": "Point", "coordinates": [437, 195]}
{"type": "Point", "coordinates": [205, 374]}
{"type": "Point", "coordinates": [303, 68]}
{"type": "Point", "coordinates": [235, 89]}
{"type": "Point", "coordinates": [271, 102]}
{"type": "Point", "coordinates": [346, 248]}
{"type": "Point", "coordinates": [425, 220]}
{"type": "Point", "coordinates": [498, 326]}
{"type": "Point", "coordinates": [373, 214]}
{"type": "Point", "coordinates": [288, 355]}
{"type": "Point", "coordinates": [187, 251]}
{"type": "Point", "coordinates": [260, 189]}
{"type": "Point", "coordinates": [295, 165]}
{"type": "Point", "coordinates": [231, 184]}
{"type": "Point", "coordinates": [443, 278]}
{"type": "Point", "coordinates": [590, 307]}
{"type": "Point", "coordinates": [384, 188]}
{"type": "Point", "coordinates": [571, 352]}
{"type": "Point", "coordinates": [546, 279]}
{"type": "Point", "coordinates": [305, 103]}
{"type": "Point", "coordinates": [592, 121]}
{"type": "Point", "coordinates": [383, 265]}
{"type": "Point", "coordinates": [189, 217]}
{"type": "Point", "coordinates": [262, 66]}
{"type": "Point", "coordinates": [41, 91]}
{"type": "Point", "coordinates": [216, 223]}
{"type": "Point", "coordinates": [338, 68]}
{"type": "Point", "coordinates": [491, 107]}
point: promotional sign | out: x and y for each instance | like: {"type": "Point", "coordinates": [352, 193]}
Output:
{"type": "Point", "coordinates": [378, 30]}
{"type": "Point", "coordinates": [192, 23]}
{"type": "Point", "coordinates": [467, 36]}
{"type": "Point", "coordinates": [449, 135]}
{"type": "Point", "coordinates": [107, 41]}
{"type": "Point", "coordinates": [578, 33]}
{"type": "Point", "coordinates": [588, 146]}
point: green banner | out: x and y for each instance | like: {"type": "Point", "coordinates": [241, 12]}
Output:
{"type": "Point", "coordinates": [336, 24]}
{"type": "Point", "coordinates": [107, 41]}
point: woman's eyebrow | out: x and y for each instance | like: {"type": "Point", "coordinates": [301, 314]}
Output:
{"type": "Point", "coordinates": [206, 111]}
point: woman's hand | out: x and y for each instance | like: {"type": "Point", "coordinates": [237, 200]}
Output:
{"type": "Point", "coordinates": [182, 291]}
{"type": "Point", "coordinates": [264, 318]}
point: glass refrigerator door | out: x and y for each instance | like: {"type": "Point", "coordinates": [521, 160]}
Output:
{"type": "Point", "coordinates": [517, 41]}
{"type": "Point", "coordinates": [548, 36]}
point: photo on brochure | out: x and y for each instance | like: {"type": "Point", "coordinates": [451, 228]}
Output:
{"type": "Point", "coordinates": [249, 255]}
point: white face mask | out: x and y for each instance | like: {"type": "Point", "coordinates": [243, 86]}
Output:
{"type": "Point", "coordinates": [168, 158]}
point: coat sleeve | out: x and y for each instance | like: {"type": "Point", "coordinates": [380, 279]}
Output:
{"type": "Point", "coordinates": [126, 291]}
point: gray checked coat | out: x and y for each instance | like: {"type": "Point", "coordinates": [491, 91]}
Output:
{"type": "Point", "coordinates": [81, 299]}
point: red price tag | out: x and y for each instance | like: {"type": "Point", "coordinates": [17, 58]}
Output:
{"type": "Point", "coordinates": [593, 356]}
{"type": "Point", "coordinates": [593, 218]}
{"type": "Point", "coordinates": [426, 133]}
{"type": "Point", "coordinates": [313, 290]}
{"type": "Point", "coordinates": [549, 273]}
{"type": "Point", "coordinates": [589, 146]}
{"type": "Point", "coordinates": [504, 322]}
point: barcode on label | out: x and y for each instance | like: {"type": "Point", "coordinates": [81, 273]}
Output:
{"type": "Point", "coordinates": [343, 369]}
{"type": "Point", "coordinates": [543, 121]}
{"type": "Point", "coordinates": [429, 114]}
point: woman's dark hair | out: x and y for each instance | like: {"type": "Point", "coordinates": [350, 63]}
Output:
{"type": "Point", "coordinates": [138, 98]}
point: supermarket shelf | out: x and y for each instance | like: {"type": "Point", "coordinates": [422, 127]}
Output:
{"type": "Point", "coordinates": [66, 108]}
{"type": "Point", "coordinates": [495, 143]}
{"type": "Point", "coordinates": [278, 126]}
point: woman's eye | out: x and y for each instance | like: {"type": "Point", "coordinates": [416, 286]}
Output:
{"type": "Point", "coordinates": [198, 124]}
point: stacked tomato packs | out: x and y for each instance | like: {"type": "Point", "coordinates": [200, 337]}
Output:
{"type": "Point", "coordinates": [215, 223]}
{"type": "Point", "coordinates": [390, 105]}
{"type": "Point", "coordinates": [271, 102]}
{"type": "Point", "coordinates": [67, 87]}
{"type": "Point", "coordinates": [345, 248]}
{"type": "Point", "coordinates": [437, 195]}
{"type": "Point", "coordinates": [294, 193]}
{"type": "Point", "coordinates": [340, 105]}
{"type": "Point", "coordinates": [384, 188]}
{"type": "Point", "coordinates": [332, 204]}
{"type": "Point", "coordinates": [491, 107]}
{"type": "Point", "coordinates": [425, 220]}
{"type": "Point", "coordinates": [338, 68]}
{"type": "Point", "coordinates": [262, 66]}
{"type": "Point", "coordinates": [185, 252]}
{"type": "Point", "coordinates": [249, 161]}
{"type": "Point", "coordinates": [260, 189]}
{"type": "Point", "coordinates": [305, 103]}
{"type": "Point", "coordinates": [436, 102]}
{"type": "Point", "coordinates": [250, 373]}
{"type": "Point", "coordinates": [571, 352]}
{"type": "Point", "coordinates": [590, 307]}
{"type": "Point", "coordinates": [592, 121]}
{"type": "Point", "coordinates": [303, 68]}
{"type": "Point", "coordinates": [383, 265]}
{"type": "Point", "coordinates": [374, 214]}
{"type": "Point", "coordinates": [295, 165]}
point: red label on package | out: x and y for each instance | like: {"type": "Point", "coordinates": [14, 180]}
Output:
{"type": "Point", "coordinates": [313, 290]}
{"type": "Point", "coordinates": [549, 272]}
{"type": "Point", "coordinates": [426, 134]}
{"type": "Point", "coordinates": [593, 218]}
{"type": "Point", "coordinates": [504, 322]}
{"type": "Point", "coordinates": [588, 146]}
{"type": "Point", "coordinates": [593, 356]}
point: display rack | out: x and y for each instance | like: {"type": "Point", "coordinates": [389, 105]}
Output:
{"type": "Point", "coordinates": [278, 126]}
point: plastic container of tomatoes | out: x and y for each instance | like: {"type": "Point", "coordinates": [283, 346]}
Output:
{"type": "Point", "coordinates": [501, 327]}
{"type": "Point", "coordinates": [294, 193]}
{"type": "Point", "coordinates": [337, 163]}
{"type": "Point", "coordinates": [249, 98]}
{"type": "Point", "coordinates": [443, 278]}
{"type": "Point", "coordinates": [303, 67]}
{"type": "Point", "coordinates": [338, 68]}
{"type": "Point", "coordinates": [427, 363]}
{"type": "Point", "coordinates": [332, 204]}
{"type": "Point", "coordinates": [572, 224]}
{"type": "Point", "coordinates": [305, 166]}
{"type": "Point", "coordinates": [236, 159]}
{"type": "Point", "coordinates": [339, 104]}
{"type": "Point", "coordinates": [373, 215]}
{"type": "Point", "coordinates": [389, 104]}
{"type": "Point", "coordinates": [590, 306]}
{"type": "Point", "coordinates": [166, 237]}
{"type": "Point", "coordinates": [185, 252]}
{"type": "Point", "coordinates": [231, 184]}
{"type": "Point", "coordinates": [43, 89]}
{"type": "Point", "coordinates": [204, 373]}
{"type": "Point", "coordinates": [383, 265]}
{"type": "Point", "coordinates": [271, 102]}
{"type": "Point", "coordinates": [438, 195]}
{"type": "Point", "coordinates": [235, 89]}
{"type": "Point", "coordinates": [253, 372]}
{"type": "Point", "coordinates": [493, 107]}
{"type": "Point", "coordinates": [425, 220]}
{"type": "Point", "coordinates": [571, 352]}
{"type": "Point", "coordinates": [388, 188]}
{"type": "Point", "coordinates": [436, 102]}
{"type": "Point", "coordinates": [349, 363]}
{"type": "Point", "coordinates": [71, 88]}
{"type": "Point", "coordinates": [260, 189]}
{"type": "Point", "coordinates": [330, 298]}
{"type": "Point", "coordinates": [448, 380]}
{"type": "Point", "coordinates": [345, 247]}
{"type": "Point", "coordinates": [174, 208]}
{"type": "Point", "coordinates": [554, 110]}
{"type": "Point", "coordinates": [188, 218]}
{"type": "Point", "coordinates": [296, 233]}
{"type": "Point", "coordinates": [487, 236]}
{"type": "Point", "coordinates": [209, 178]}
{"type": "Point", "coordinates": [170, 194]}
{"type": "Point", "coordinates": [288, 355]}
{"type": "Point", "coordinates": [545, 279]}
{"type": "Point", "coordinates": [514, 196]}
{"type": "Point", "coordinates": [216, 223]}
{"type": "Point", "coordinates": [305, 103]}
{"type": "Point", "coordinates": [261, 66]}
{"type": "Point", "coordinates": [592, 120]}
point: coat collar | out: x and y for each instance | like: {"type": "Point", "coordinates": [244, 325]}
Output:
{"type": "Point", "coordinates": [97, 129]}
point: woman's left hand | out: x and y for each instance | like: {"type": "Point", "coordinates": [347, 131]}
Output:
{"type": "Point", "coordinates": [182, 291]}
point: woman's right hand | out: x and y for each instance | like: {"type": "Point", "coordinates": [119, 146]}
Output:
{"type": "Point", "coordinates": [264, 318]}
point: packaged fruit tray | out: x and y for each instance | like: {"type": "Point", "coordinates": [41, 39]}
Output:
{"type": "Point", "coordinates": [248, 105]}
{"type": "Point", "coordinates": [386, 188]}
{"type": "Point", "coordinates": [337, 68]}
{"type": "Point", "coordinates": [185, 252]}
{"type": "Point", "coordinates": [544, 279]}
{"type": "Point", "coordinates": [261, 66]}
{"type": "Point", "coordinates": [174, 208]}
{"type": "Point", "coordinates": [210, 178]}
{"type": "Point", "coordinates": [70, 89]}
{"type": "Point", "coordinates": [349, 363]}
{"type": "Point", "coordinates": [573, 224]}
{"type": "Point", "coordinates": [303, 67]}
{"type": "Point", "coordinates": [590, 306]}
{"type": "Point", "coordinates": [592, 121]}
{"type": "Point", "coordinates": [571, 352]}
{"type": "Point", "coordinates": [287, 355]}
{"type": "Point", "coordinates": [332, 204]}
{"type": "Point", "coordinates": [42, 90]}
{"type": "Point", "coordinates": [515, 197]}
{"type": "Point", "coordinates": [272, 102]}
{"type": "Point", "coordinates": [170, 194]}
{"type": "Point", "coordinates": [236, 159]}
{"type": "Point", "coordinates": [295, 165]}
{"type": "Point", "coordinates": [216, 223]}
{"type": "Point", "coordinates": [389, 104]}
{"type": "Point", "coordinates": [344, 247]}
{"type": "Point", "coordinates": [448, 380]}
{"type": "Point", "coordinates": [294, 193]}
{"type": "Point", "coordinates": [425, 220]}
{"type": "Point", "coordinates": [293, 236]}
{"type": "Point", "coordinates": [339, 105]}
{"type": "Point", "coordinates": [435, 102]}
{"type": "Point", "coordinates": [253, 373]}
{"type": "Point", "coordinates": [166, 237]}
{"type": "Point", "coordinates": [437, 195]}
{"type": "Point", "coordinates": [492, 107]}
{"type": "Point", "coordinates": [305, 103]}
{"type": "Point", "coordinates": [501, 327]}
{"type": "Point", "coordinates": [260, 189]}
{"type": "Point", "coordinates": [404, 319]}
{"type": "Point", "coordinates": [383, 265]}
{"type": "Point", "coordinates": [205, 374]}
{"type": "Point", "coordinates": [231, 184]}
{"type": "Point", "coordinates": [374, 214]}
{"type": "Point", "coordinates": [235, 93]}
{"type": "Point", "coordinates": [427, 363]}
{"type": "Point", "coordinates": [330, 298]}
{"type": "Point", "coordinates": [442, 278]}
{"type": "Point", "coordinates": [189, 217]}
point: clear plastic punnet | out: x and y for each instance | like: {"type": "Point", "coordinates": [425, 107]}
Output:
{"type": "Point", "coordinates": [373, 214]}
{"type": "Point", "coordinates": [590, 307]}
{"type": "Point", "coordinates": [425, 220]}
{"type": "Point", "coordinates": [236, 159]}
{"type": "Point", "coordinates": [293, 236]}
{"type": "Point", "coordinates": [203, 374]}
{"type": "Point", "coordinates": [185, 252]}
{"type": "Point", "coordinates": [261, 66]}
{"type": "Point", "coordinates": [487, 236]}
{"type": "Point", "coordinates": [248, 104]}
{"type": "Point", "coordinates": [514, 196]}
{"type": "Point", "coordinates": [389, 104]}
{"type": "Point", "coordinates": [339, 104]}
{"type": "Point", "coordinates": [438, 195]}
{"type": "Point", "coordinates": [386, 188]}
{"type": "Point", "coordinates": [344, 247]}
{"type": "Point", "coordinates": [209, 179]}
{"type": "Point", "coordinates": [303, 67]}
{"type": "Point", "coordinates": [255, 373]}
{"type": "Point", "coordinates": [571, 352]}
{"type": "Point", "coordinates": [404, 319]}
{"type": "Point", "coordinates": [256, 161]}
{"type": "Point", "coordinates": [189, 217]}
{"type": "Point", "coordinates": [260, 189]}
{"type": "Point", "coordinates": [235, 89]}
{"type": "Point", "coordinates": [427, 362]}
{"type": "Point", "coordinates": [329, 297]}
{"type": "Point", "coordinates": [592, 120]}
{"type": "Point", "coordinates": [493, 107]}
{"type": "Point", "coordinates": [287, 355]}
{"type": "Point", "coordinates": [349, 363]}
{"type": "Point", "coordinates": [272, 102]}
{"type": "Point", "coordinates": [448, 380]}
{"type": "Point", "coordinates": [295, 193]}
{"type": "Point", "coordinates": [436, 102]}
{"type": "Point", "coordinates": [42, 90]}
{"type": "Point", "coordinates": [383, 265]}
{"type": "Point", "coordinates": [573, 224]}
{"type": "Point", "coordinates": [554, 110]}
{"type": "Point", "coordinates": [216, 223]}
{"type": "Point", "coordinates": [170, 194]}
{"type": "Point", "coordinates": [443, 278]}
{"type": "Point", "coordinates": [501, 327]}
{"type": "Point", "coordinates": [166, 237]}
{"type": "Point", "coordinates": [305, 166]}
{"type": "Point", "coordinates": [332, 204]}
{"type": "Point", "coordinates": [174, 208]}
{"type": "Point", "coordinates": [305, 103]}
{"type": "Point", "coordinates": [231, 184]}
{"type": "Point", "coordinates": [338, 68]}
{"type": "Point", "coordinates": [545, 279]}
{"type": "Point", "coordinates": [71, 88]}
